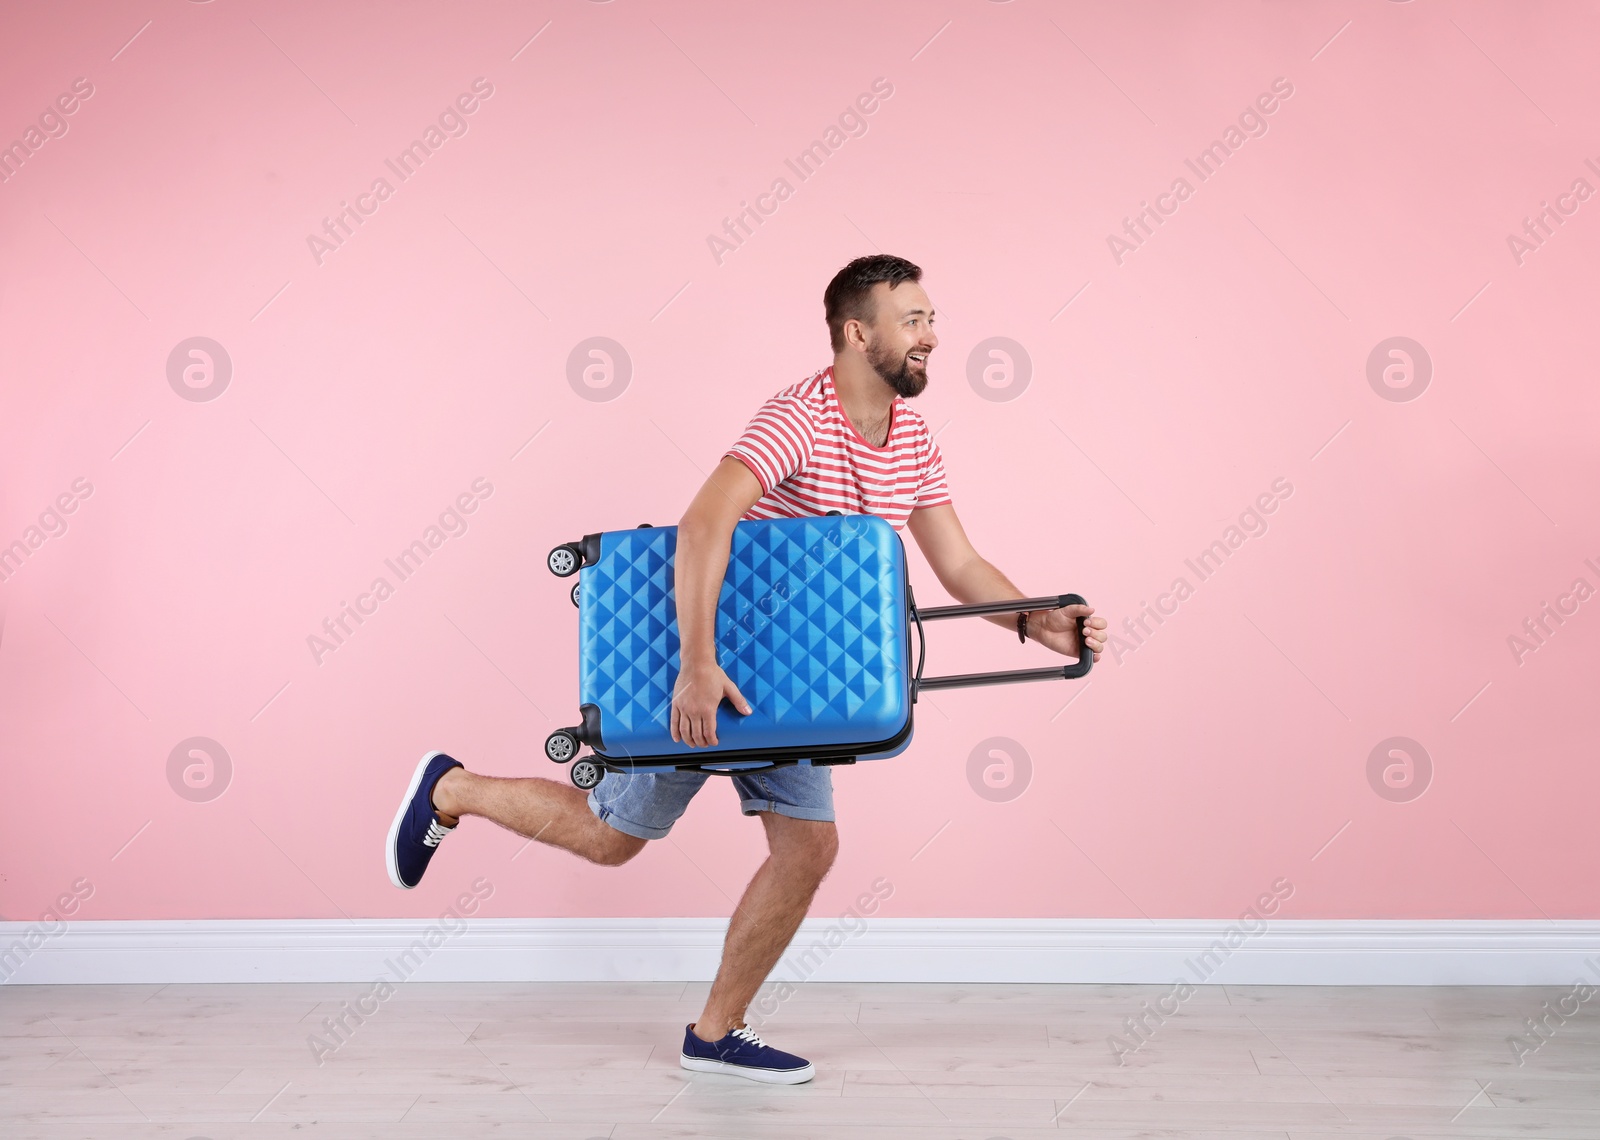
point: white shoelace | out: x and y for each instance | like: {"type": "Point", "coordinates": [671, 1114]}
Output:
{"type": "Point", "coordinates": [436, 832]}
{"type": "Point", "coordinates": [746, 1034]}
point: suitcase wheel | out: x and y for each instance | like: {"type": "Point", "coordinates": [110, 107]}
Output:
{"type": "Point", "coordinates": [575, 586]}
{"type": "Point", "coordinates": [586, 773]}
{"type": "Point", "coordinates": [565, 560]}
{"type": "Point", "coordinates": [561, 745]}
{"type": "Point", "coordinates": [644, 526]}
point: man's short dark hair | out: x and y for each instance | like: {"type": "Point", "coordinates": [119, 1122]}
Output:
{"type": "Point", "coordinates": [849, 295]}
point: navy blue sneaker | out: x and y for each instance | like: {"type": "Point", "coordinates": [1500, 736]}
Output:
{"type": "Point", "coordinates": [743, 1054]}
{"type": "Point", "coordinates": [417, 831]}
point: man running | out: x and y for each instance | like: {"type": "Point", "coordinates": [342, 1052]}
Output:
{"type": "Point", "coordinates": [844, 439]}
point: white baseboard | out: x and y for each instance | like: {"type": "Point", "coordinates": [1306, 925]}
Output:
{"type": "Point", "coordinates": [1285, 952]}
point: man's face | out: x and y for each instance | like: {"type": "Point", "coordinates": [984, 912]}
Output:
{"type": "Point", "coordinates": [901, 336]}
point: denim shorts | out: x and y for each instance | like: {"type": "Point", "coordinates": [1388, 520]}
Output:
{"type": "Point", "coordinates": [647, 804]}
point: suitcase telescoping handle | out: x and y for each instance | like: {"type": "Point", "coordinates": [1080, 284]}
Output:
{"type": "Point", "coordinates": [1006, 676]}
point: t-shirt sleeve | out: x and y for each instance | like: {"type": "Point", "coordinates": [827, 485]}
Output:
{"type": "Point", "coordinates": [934, 490]}
{"type": "Point", "coordinates": [777, 443]}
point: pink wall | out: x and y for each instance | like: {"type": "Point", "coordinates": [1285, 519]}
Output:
{"type": "Point", "coordinates": [1224, 355]}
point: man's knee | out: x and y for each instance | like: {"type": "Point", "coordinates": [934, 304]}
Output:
{"type": "Point", "coordinates": [828, 846]}
{"type": "Point", "coordinates": [804, 846]}
{"type": "Point", "coordinates": [616, 847]}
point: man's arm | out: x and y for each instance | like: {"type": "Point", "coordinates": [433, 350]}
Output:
{"type": "Point", "coordinates": [969, 577]}
{"type": "Point", "coordinates": [705, 537]}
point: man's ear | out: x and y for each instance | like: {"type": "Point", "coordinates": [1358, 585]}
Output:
{"type": "Point", "coordinates": [856, 333]}
{"type": "Point", "coordinates": [853, 337]}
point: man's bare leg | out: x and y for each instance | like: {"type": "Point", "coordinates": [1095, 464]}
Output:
{"type": "Point", "coordinates": [801, 851]}
{"type": "Point", "coordinates": [800, 854]}
{"type": "Point", "coordinates": [557, 814]}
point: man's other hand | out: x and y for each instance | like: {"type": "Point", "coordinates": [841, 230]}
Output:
{"type": "Point", "coordinates": [1059, 630]}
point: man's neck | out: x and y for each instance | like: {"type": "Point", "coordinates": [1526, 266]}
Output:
{"type": "Point", "coordinates": [863, 394]}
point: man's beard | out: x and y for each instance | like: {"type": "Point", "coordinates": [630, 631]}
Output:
{"type": "Point", "coordinates": [897, 373]}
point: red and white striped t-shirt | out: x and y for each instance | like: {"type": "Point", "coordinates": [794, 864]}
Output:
{"type": "Point", "coordinates": [810, 459]}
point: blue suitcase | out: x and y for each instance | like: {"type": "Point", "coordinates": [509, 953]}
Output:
{"type": "Point", "coordinates": [813, 625]}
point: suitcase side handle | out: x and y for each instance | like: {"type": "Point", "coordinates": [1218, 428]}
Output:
{"type": "Point", "coordinates": [1015, 605]}
{"type": "Point", "coordinates": [1005, 676]}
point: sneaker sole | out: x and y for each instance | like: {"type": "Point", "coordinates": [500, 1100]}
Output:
{"type": "Point", "coordinates": [765, 1076]}
{"type": "Point", "coordinates": [394, 828]}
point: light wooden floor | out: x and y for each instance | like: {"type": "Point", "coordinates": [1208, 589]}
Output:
{"type": "Point", "coordinates": [940, 1062]}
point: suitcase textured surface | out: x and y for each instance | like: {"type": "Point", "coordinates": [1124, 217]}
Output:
{"type": "Point", "coordinates": [811, 625]}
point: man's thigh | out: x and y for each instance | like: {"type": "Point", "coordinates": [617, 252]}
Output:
{"type": "Point", "coordinates": [647, 804]}
{"type": "Point", "coordinates": [644, 804]}
{"type": "Point", "coordinates": [797, 791]}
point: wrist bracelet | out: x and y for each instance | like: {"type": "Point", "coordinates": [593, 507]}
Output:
{"type": "Point", "coordinates": [1022, 626]}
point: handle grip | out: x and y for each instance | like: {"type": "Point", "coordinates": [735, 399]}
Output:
{"type": "Point", "coordinates": [1005, 676]}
